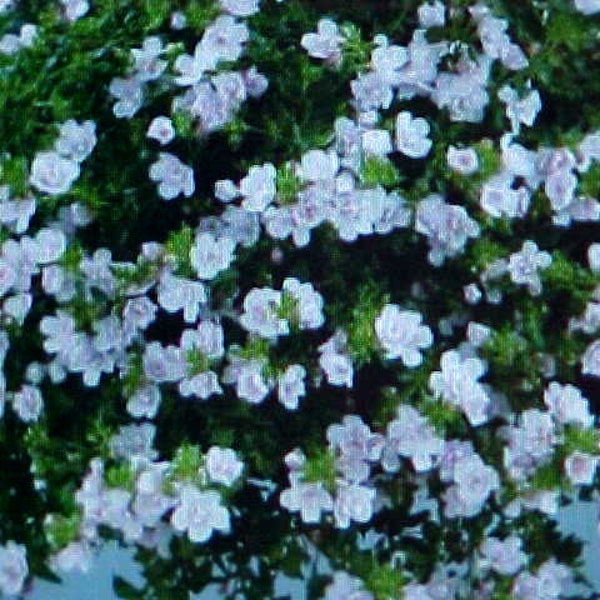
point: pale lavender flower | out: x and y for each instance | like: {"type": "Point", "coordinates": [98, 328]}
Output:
{"type": "Point", "coordinates": [17, 307]}
{"type": "Point", "coordinates": [52, 173]}
{"type": "Point", "coordinates": [474, 482]}
{"type": "Point", "coordinates": [200, 513]}
{"type": "Point", "coordinates": [411, 135]}
{"type": "Point", "coordinates": [352, 502]}
{"type": "Point", "coordinates": [411, 436]}
{"type": "Point", "coordinates": [520, 111]}
{"type": "Point", "coordinates": [318, 165]}
{"type": "Point", "coordinates": [75, 9]}
{"type": "Point", "coordinates": [309, 303]}
{"type": "Point", "coordinates": [134, 443]}
{"type": "Point", "coordinates": [16, 213]}
{"type": "Point", "coordinates": [355, 446]}
{"type": "Point", "coordinates": [224, 38]}
{"type": "Point", "coordinates": [256, 83]}
{"type": "Point", "coordinates": [176, 293]}
{"type": "Point", "coordinates": [13, 568]}
{"type": "Point", "coordinates": [290, 386]}
{"type": "Point", "coordinates": [567, 405]}
{"type": "Point", "coordinates": [139, 312]}
{"type": "Point", "coordinates": [210, 255]}
{"type": "Point", "coordinates": [503, 556]}
{"type": "Point", "coordinates": [549, 583]}
{"type": "Point", "coordinates": [129, 94]}
{"type": "Point", "coordinates": [590, 361]}
{"type": "Point", "coordinates": [580, 468]}
{"type": "Point", "coordinates": [51, 244]}
{"type": "Point", "coordinates": [524, 265]}
{"type": "Point", "coordinates": [338, 368]}
{"type": "Point", "coordinates": [447, 227]}
{"type": "Point", "coordinates": [258, 187]}
{"type": "Point", "coordinates": [76, 141]}
{"type": "Point", "coordinates": [250, 384]}
{"type": "Point", "coordinates": [310, 499]}
{"type": "Point", "coordinates": [261, 316]}
{"type": "Point", "coordinates": [498, 198]}
{"type": "Point", "coordinates": [147, 64]}
{"type": "Point", "coordinates": [402, 335]}
{"type": "Point", "coordinates": [326, 44]}
{"type": "Point", "coordinates": [75, 555]}
{"type": "Point", "coordinates": [161, 129]}
{"type": "Point", "coordinates": [371, 92]}
{"type": "Point", "coordinates": [387, 60]}
{"type": "Point", "coordinates": [457, 383]}
{"type": "Point", "coordinates": [28, 403]}
{"type": "Point", "coordinates": [144, 402]}
{"type": "Point", "coordinates": [150, 502]}
{"type": "Point", "coordinates": [163, 364]}
{"type": "Point", "coordinates": [240, 8]}
{"type": "Point", "coordinates": [173, 176]}
{"type": "Point", "coordinates": [432, 15]}
{"type": "Point", "coordinates": [223, 466]}
{"type": "Point", "coordinates": [207, 337]}
{"type": "Point", "coordinates": [8, 276]}
{"type": "Point", "coordinates": [588, 7]}
{"type": "Point", "coordinates": [178, 21]}
{"type": "Point", "coordinates": [593, 256]}
{"type": "Point", "coordinates": [377, 142]}
{"type": "Point", "coordinates": [203, 385]}
{"type": "Point", "coordinates": [462, 160]}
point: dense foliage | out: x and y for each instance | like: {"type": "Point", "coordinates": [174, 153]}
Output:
{"type": "Point", "coordinates": [281, 277]}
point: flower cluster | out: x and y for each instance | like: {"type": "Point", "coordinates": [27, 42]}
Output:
{"type": "Point", "coordinates": [383, 275]}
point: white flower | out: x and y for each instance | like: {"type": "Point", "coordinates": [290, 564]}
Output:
{"type": "Point", "coordinates": [290, 386]}
{"type": "Point", "coordinates": [210, 255]}
{"type": "Point", "coordinates": [588, 7]}
{"type": "Point", "coordinates": [28, 403]}
{"type": "Point", "coordinates": [326, 43]}
{"type": "Point", "coordinates": [503, 556]}
{"type": "Point", "coordinates": [200, 513]}
{"type": "Point", "coordinates": [567, 405]}
{"type": "Point", "coordinates": [13, 568]}
{"type": "Point", "coordinates": [523, 266]}
{"type": "Point", "coordinates": [593, 256]}
{"type": "Point", "coordinates": [318, 165]}
{"type": "Point", "coordinates": [457, 383]}
{"type": "Point", "coordinates": [411, 135]}
{"type": "Point", "coordinates": [52, 173]}
{"type": "Point", "coordinates": [223, 465]}
{"type": "Point", "coordinates": [402, 335]}
{"type": "Point", "coordinates": [76, 141]}
{"type": "Point", "coordinates": [338, 368]}
{"type": "Point", "coordinates": [580, 468]}
{"type": "Point", "coordinates": [175, 178]}
{"type": "Point", "coordinates": [353, 502]}
{"type": "Point", "coordinates": [431, 15]}
{"type": "Point", "coordinates": [130, 96]}
{"type": "Point", "coordinates": [75, 9]}
{"type": "Point", "coordinates": [144, 402]}
{"type": "Point", "coordinates": [590, 361]}
{"type": "Point", "coordinates": [261, 306]}
{"type": "Point", "coordinates": [161, 129]}
{"type": "Point", "coordinates": [240, 8]}
{"type": "Point", "coordinates": [462, 160]}
{"type": "Point", "coordinates": [310, 499]}
{"type": "Point", "coordinates": [250, 385]}
{"type": "Point", "coordinates": [258, 187]}
{"type": "Point", "coordinates": [176, 293]}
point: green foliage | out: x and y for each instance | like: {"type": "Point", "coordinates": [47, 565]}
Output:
{"type": "Point", "coordinates": [378, 171]}
{"type": "Point", "coordinates": [320, 466]}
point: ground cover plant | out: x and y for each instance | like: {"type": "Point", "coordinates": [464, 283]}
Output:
{"type": "Point", "coordinates": [278, 276]}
